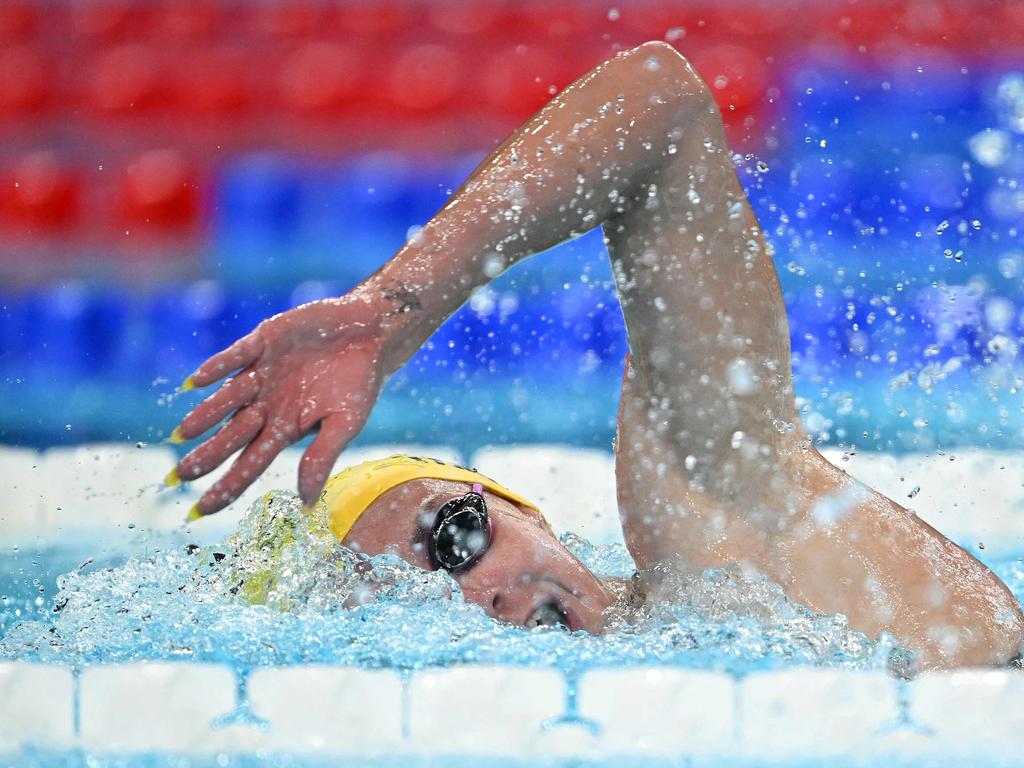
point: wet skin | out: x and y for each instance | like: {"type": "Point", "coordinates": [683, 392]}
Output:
{"type": "Point", "coordinates": [524, 567]}
{"type": "Point", "coordinates": [712, 463]}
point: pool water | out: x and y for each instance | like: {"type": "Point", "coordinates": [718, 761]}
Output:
{"type": "Point", "coordinates": [54, 760]}
{"type": "Point", "coordinates": [163, 597]}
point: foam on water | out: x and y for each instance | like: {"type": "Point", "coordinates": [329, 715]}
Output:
{"type": "Point", "coordinates": [282, 590]}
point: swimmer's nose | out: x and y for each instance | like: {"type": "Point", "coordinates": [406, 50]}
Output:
{"type": "Point", "coordinates": [508, 581]}
{"type": "Point", "coordinates": [499, 581]}
{"type": "Point", "coordinates": [488, 585]}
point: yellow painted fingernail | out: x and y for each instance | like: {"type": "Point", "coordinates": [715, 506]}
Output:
{"type": "Point", "coordinates": [176, 437]}
{"type": "Point", "coordinates": [172, 480]}
{"type": "Point", "coordinates": [194, 514]}
{"type": "Point", "coordinates": [187, 384]}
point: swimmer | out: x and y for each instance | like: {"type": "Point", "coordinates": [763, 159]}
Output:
{"type": "Point", "coordinates": [713, 466]}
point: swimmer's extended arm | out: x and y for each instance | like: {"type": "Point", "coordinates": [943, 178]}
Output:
{"type": "Point", "coordinates": [580, 162]}
{"type": "Point", "coordinates": [713, 466]}
{"type": "Point", "coordinates": [586, 158]}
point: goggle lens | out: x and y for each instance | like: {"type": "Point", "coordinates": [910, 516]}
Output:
{"type": "Point", "coordinates": [461, 533]}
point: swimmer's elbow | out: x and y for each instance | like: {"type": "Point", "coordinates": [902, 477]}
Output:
{"type": "Point", "coordinates": [998, 635]}
{"type": "Point", "coordinates": [661, 60]}
{"type": "Point", "coordinates": [1008, 639]}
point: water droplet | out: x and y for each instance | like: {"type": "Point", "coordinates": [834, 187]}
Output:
{"type": "Point", "coordinates": [990, 147]}
{"type": "Point", "coordinates": [613, 14]}
{"type": "Point", "coordinates": [742, 380]}
{"type": "Point", "coordinates": [1009, 266]}
{"type": "Point", "coordinates": [943, 226]}
{"type": "Point", "coordinates": [494, 264]}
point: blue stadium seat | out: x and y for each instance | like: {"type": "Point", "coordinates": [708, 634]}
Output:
{"type": "Point", "coordinates": [64, 335]}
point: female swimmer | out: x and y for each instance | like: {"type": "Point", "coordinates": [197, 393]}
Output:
{"type": "Point", "coordinates": [712, 464]}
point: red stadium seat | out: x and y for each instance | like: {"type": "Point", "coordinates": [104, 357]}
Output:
{"type": "Point", "coordinates": [927, 24]}
{"type": "Point", "coordinates": [191, 19]}
{"type": "Point", "coordinates": [159, 192]}
{"type": "Point", "coordinates": [425, 77]}
{"type": "Point", "coordinates": [854, 25]}
{"type": "Point", "coordinates": [288, 19]}
{"type": "Point", "coordinates": [128, 79]}
{"type": "Point", "coordinates": [558, 21]}
{"type": "Point", "coordinates": [40, 193]}
{"type": "Point", "coordinates": [214, 82]}
{"type": "Point", "coordinates": [111, 20]}
{"type": "Point", "coordinates": [377, 17]}
{"type": "Point", "coordinates": [761, 19]}
{"type": "Point", "coordinates": [457, 17]}
{"type": "Point", "coordinates": [520, 79]}
{"type": "Point", "coordinates": [735, 75]}
{"type": "Point", "coordinates": [25, 81]}
{"type": "Point", "coordinates": [652, 21]}
{"type": "Point", "coordinates": [993, 32]}
{"type": "Point", "coordinates": [319, 76]}
{"type": "Point", "coordinates": [17, 21]}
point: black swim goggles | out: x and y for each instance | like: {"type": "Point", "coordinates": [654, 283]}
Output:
{"type": "Point", "coordinates": [461, 535]}
{"type": "Point", "coordinates": [461, 532]}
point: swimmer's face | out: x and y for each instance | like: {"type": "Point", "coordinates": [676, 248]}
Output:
{"type": "Point", "coordinates": [525, 574]}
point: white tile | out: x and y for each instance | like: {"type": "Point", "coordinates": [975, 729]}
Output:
{"type": "Point", "coordinates": [574, 487]}
{"type": "Point", "coordinates": [159, 707]}
{"type": "Point", "coordinates": [339, 710]}
{"type": "Point", "coordinates": [36, 705]}
{"type": "Point", "coordinates": [970, 711]}
{"type": "Point", "coordinates": [975, 498]}
{"type": "Point", "coordinates": [659, 710]}
{"type": "Point", "coordinates": [815, 711]}
{"type": "Point", "coordinates": [486, 711]}
{"type": "Point", "coordinates": [105, 486]}
{"type": "Point", "coordinates": [23, 483]}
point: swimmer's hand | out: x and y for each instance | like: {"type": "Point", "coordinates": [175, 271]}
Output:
{"type": "Point", "coordinates": [315, 367]}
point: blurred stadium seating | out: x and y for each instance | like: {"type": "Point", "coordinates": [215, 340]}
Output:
{"type": "Point", "coordinates": [172, 171]}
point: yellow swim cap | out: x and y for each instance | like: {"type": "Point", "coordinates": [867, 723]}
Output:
{"type": "Point", "coordinates": [352, 490]}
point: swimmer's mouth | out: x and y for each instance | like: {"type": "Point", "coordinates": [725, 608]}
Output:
{"type": "Point", "coordinates": [550, 613]}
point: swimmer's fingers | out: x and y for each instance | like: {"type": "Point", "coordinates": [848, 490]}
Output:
{"type": "Point", "coordinates": [241, 354]}
{"type": "Point", "coordinates": [336, 430]}
{"type": "Point", "coordinates": [247, 467]}
{"type": "Point", "coordinates": [236, 434]}
{"type": "Point", "coordinates": [234, 394]}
